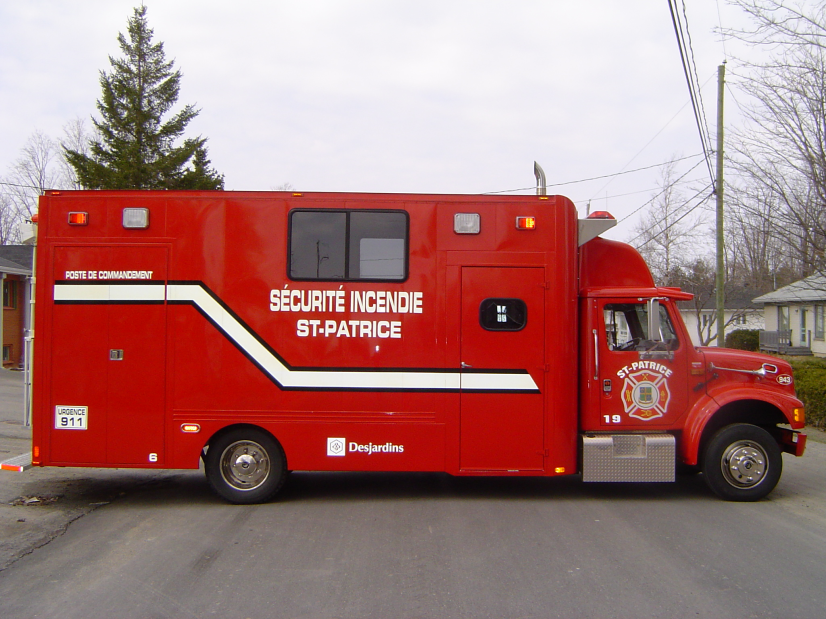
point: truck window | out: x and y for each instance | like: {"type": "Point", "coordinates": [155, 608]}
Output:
{"type": "Point", "coordinates": [503, 314]}
{"type": "Point", "coordinates": [626, 327]}
{"type": "Point", "coordinates": [348, 245]}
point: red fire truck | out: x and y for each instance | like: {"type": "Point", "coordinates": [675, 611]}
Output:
{"type": "Point", "coordinates": [476, 335]}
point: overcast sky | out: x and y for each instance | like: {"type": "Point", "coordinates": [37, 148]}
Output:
{"type": "Point", "coordinates": [393, 96]}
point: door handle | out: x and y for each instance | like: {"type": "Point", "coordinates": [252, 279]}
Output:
{"type": "Point", "coordinates": [466, 365]}
{"type": "Point", "coordinates": [596, 355]}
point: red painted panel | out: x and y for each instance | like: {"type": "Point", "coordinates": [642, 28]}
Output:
{"type": "Point", "coordinates": [503, 431]}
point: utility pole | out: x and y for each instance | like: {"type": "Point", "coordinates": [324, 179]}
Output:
{"type": "Point", "coordinates": [721, 280]}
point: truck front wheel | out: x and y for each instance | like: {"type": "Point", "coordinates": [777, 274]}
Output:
{"type": "Point", "coordinates": [742, 463]}
{"type": "Point", "coordinates": [245, 466]}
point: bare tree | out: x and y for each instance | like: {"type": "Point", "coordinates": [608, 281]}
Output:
{"type": "Point", "coordinates": [779, 156]}
{"type": "Point", "coordinates": [8, 219]}
{"type": "Point", "coordinates": [39, 167]}
{"type": "Point", "coordinates": [757, 256]}
{"type": "Point", "coordinates": [77, 138]}
{"type": "Point", "coordinates": [668, 232]}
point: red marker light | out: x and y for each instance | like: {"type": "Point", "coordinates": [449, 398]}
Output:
{"type": "Point", "coordinates": [526, 223]}
{"type": "Point", "coordinates": [600, 215]}
{"type": "Point", "coordinates": [78, 219]}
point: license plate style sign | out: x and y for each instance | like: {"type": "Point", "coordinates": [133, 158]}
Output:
{"type": "Point", "coordinates": [70, 417]}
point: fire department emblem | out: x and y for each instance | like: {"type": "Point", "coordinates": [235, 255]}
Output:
{"type": "Point", "coordinates": [645, 395]}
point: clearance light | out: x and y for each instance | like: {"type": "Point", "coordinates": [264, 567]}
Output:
{"type": "Point", "coordinates": [191, 428]}
{"type": "Point", "coordinates": [526, 223]}
{"type": "Point", "coordinates": [297, 195]}
{"type": "Point", "coordinates": [799, 414]}
{"type": "Point", "coordinates": [136, 218]}
{"type": "Point", "coordinates": [467, 223]}
{"type": "Point", "coordinates": [600, 215]}
{"type": "Point", "coordinates": [78, 219]}
{"type": "Point", "coordinates": [559, 469]}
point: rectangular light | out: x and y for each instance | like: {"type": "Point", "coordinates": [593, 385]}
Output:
{"type": "Point", "coordinates": [78, 219]}
{"type": "Point", "coordinates": [526, 223]}
{"type": "Point", "coordinates": [467, 223]}
{"type": "Point", "coordinates": [136, 218]}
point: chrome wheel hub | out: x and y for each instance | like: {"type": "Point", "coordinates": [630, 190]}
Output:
{"type": "Point", "coordinates": [245, 465]}
{"type": "Point", "coordinates": [744, 464]}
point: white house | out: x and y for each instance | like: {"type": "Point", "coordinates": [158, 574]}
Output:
{"type": "Point", "coordinates": [794, 318]}
{"type": "Point", "coordinates": [739, 313]}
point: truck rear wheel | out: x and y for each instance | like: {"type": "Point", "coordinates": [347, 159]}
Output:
{"type": "Point", "coordinates": [742, 463]}
{"type": "Point", "coordinates": [245, 465]}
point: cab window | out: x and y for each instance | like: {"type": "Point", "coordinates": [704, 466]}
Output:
{"type": "Point", "coordinates": [626, 328]}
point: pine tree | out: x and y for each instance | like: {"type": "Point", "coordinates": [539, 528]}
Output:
{"type": "Point", "coordinates": [135, 148]}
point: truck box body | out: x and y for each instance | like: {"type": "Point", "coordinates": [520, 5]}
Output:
{"type": "Point", "coordinates": [363, 332]}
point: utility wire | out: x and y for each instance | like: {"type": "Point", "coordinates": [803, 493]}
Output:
{"type": "Point", "coordinates": [697, 80]}
{"type": "Point", "coordinates": [692, 89]}
{"type": "Point", "coordinates": [680, 218]}
{"type": "Point", "coordinates": [638, 209]}
{"type": "Point", "coordinates": [21, 186]}
{"type": "Point", "coordinates": [595, 178]}
{"type": "Point", "coordinates": [634, 193]}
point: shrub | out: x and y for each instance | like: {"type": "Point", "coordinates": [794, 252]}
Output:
{"type": "Point", "coordinates": [810, 384]}
{"type": "Point", "coordinates": [744, 339]}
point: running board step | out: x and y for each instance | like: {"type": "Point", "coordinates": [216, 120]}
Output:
{"type": "Point", "coordinates": [628, 457]}
{"type": "Point", "coordinates": [18, 463]}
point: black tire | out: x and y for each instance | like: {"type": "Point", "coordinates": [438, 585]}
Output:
{"type": "Point", "coordinates": [245, 466]}
{"type": "Point", "coordinates": [742, 463]}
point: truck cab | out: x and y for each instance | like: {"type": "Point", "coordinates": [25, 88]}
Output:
{"type": "Point", "coordinates": [650, 399]}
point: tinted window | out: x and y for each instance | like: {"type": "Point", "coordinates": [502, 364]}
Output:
{"type": "Point", "coordinates": [377, 245]}
{"type": "Point", "coordinates": [503, 314]}
{"type": "Point", "coordinates": [332, 245]}
{"type": "Point", "coordinates": [317, 245]}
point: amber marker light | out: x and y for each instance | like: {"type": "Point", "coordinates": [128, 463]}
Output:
{"type": "Point", "coordinates": [78, 219]}
{"type": "Point", "coordinates": [559, 469]}
{"type": "Point", "coordinates": [526, 223]}
{"type": "Point", "coordinates": [191, 428]}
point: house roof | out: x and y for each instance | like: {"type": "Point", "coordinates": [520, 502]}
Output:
{"type": "Point", "coordinates": [806, 290]}
{"type": "Point", "coordinates": [17, 256]}
{"type": "Point", "coordinates": [16, 259]}
{"type": "Point", "coordinates": [737, 299]}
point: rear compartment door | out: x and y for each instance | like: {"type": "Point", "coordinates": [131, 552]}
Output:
{"type": "Point", "coordinates": [503, 329]}
{"type": "Point", "coordinates": [107, 369]}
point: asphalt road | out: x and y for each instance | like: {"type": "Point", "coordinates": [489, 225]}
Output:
{"type": "Point", "coordinates": [142, 544]}
{"type": "Point", "coordinates": [428, 545]}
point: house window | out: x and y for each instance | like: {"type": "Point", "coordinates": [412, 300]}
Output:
{"type": "Point", "coordinates": [6, 354]}
{"type": "Point", "coordinates": [348, 245]}
{"type": "Point", "coordinates": [9, 293]}
{"type": "Point", "coordinates": [783, 322]}
{"type": "Point", "coordinates": [819, 321]}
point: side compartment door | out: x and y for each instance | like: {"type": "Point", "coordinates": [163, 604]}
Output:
{"type": "Point", "coordinates": [107, 363]}
{"type": "Point", "coordinates": [503, 328]}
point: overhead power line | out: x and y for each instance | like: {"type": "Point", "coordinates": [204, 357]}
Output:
{"type": "Point", "coordinates": [681, 217]}
{"type": "Point", "coordinates": [664, 189]}
{"type": "Point", "coordinates": [687, 59]}
{"type": "Point", "coordinates": [596, 178]}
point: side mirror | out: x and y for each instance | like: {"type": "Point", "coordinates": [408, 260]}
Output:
{"type": "Point", "coordinates": [654, 320]}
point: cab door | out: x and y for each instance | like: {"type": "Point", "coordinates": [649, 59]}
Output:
{"type": "Point", "coordinates": [642, 379]}
{"type": "Point", "coordinates": [503, 328]}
